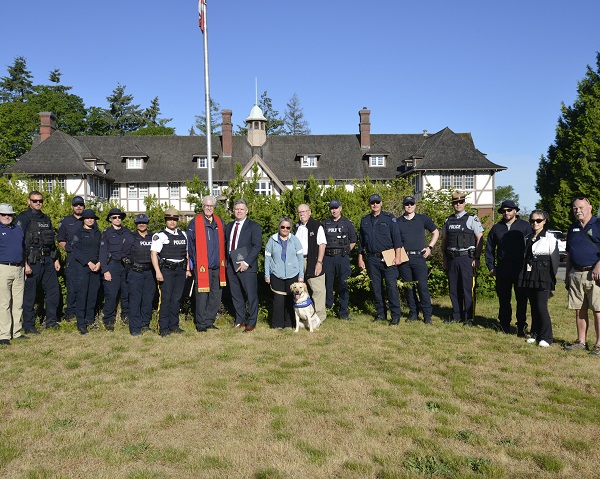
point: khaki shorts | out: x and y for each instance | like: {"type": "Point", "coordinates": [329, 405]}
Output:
{"type": "Point", "coordinates": [583, 291]}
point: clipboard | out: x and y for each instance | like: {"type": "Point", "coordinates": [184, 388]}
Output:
{"type": "Point", "coordinates": [389, 255]}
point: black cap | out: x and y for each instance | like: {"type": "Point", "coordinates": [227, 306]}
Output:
{"type": "Point", "coordinates": [78, 200]}
{"type": "Point", "coordinates": [374, 197]}
{"type": "Point", "coordinates": [508, 204]}
{"type": "Point", "coordinates": [89, 214]}
{"type": "Point", "coordinates": [141, 218]}
{"type": "Point", "coordinates": [408, 199]}
{"type": "Point", "coordinates": [334, 204]}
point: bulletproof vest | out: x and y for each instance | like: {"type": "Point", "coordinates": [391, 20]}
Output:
{"type": "Point", "coordinates": [140, 250]}
{"type": "Point", "coordinates": [336, 233]}
{"type": "Point", "coordinates": [176, 248]}
{"type": "Point", "coordinates": [458, 236]}
{"type": "Point", "coordinates": [39, 234]}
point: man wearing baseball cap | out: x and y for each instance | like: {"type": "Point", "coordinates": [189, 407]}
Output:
{"type": "Point", "coordinates": [504, 253]}
{"type": "Point", "coordinates": [66, 229]}
{"type": "Point", "coordinates": [341, 238]}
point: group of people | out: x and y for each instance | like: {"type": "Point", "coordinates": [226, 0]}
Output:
{"type": "Point", "coordinates": [129, 266]}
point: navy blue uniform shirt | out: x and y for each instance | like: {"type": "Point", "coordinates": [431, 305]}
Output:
{"type": "Point", "coordinates": [413, 231]}
{"type": "Point", "coordinates": [66, 230]}
{"type": "Point", "coordinates": [379, 233]}
{"type": "Point", "coordinates": [584, 252]}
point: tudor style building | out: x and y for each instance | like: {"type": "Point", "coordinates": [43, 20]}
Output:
{"type": "Point", "coordinates": [129, 168]}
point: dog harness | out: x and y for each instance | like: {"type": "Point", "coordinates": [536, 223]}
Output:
{"type": "Point", "coordinates": [304, 304]}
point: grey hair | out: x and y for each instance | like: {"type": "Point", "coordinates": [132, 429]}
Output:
{"type": "Point", "coordinates": [209, 197]}
{"type": "Point", "coordinates": [241, 202]}
{"type": "Point", "coordinates": [285, 219]}
{"type": "Point", "coordinates": [542, 213]}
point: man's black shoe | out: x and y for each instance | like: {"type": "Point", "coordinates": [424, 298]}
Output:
{"type": "Point", "coordinates": [4, 342]}
{"type": "Point", "coordinates": [164, 333]}
{"type": "Point", "coordinates": [346, 318]}
{"type": "Point", "coordinates": [136, 333]}
{"type": "Point", "coordinates": [212, 326]}
{"type": "Point", "coordinates": [109, 327]}
{"type": "Point", "coordinates": [394, 322]}
{"type": "Point", "coordinates": [428, 321]}
{"type": "Point", "coordinates": [146, 329]}
{"type": "Point", "coordinates": [178, 330]}
{"type": "Point", "coordinates": [31, 331]}
{"type": "Point", "coordinates": [201, 329]}
{"type": "Point", "coordinates": [83, 330]}
{"type": "Point", "coordinates": [451, 320]}
{"type": "Point", "coordinates": [379, 318]}
{"type": "Point", "coordinates": [52, 326]}
{"type": "Point", "coordinates": [411, 318]}
{"type": "Point", "coordinates": [521, 333]}
{"type": "Point", "coordinates": [21, 337]}
{"type": "Point", "coordinates": [468, 322]}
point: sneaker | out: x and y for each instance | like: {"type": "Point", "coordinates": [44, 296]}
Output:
{"type": "Point", "coordinates": [544, 344]}
{"type": "Point", "coordinates": [596, 350]}
{"type": "Point", "coordinates": [4, 342]}
{"type": "Point", "coordinates": [530, 340]}
{"type": "Point", "coordinates": [31, 330]}
{"type": "Point", "coordinates": [576, 346]}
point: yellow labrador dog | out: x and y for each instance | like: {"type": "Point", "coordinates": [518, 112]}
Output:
{"type": "Point", "coordinates": [304, 308]}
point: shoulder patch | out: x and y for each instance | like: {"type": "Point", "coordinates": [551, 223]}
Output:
{"type": "Point", "coordinates": [475, 218]}
{"type": "Point", "coordinates": [155, 237]}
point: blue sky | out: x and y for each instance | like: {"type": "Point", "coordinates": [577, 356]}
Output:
{"type": "Point", "coordinates": [498, 70]}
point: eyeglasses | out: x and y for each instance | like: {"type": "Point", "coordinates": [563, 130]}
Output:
{"type": "Point", "coordinates": [303, 212]}
{"type": "Point", "coordinates": [208, 206]}
{"type": "Point", "coordinates": [537, 220]}
{"type": "Point", "coordinates": [458, 202]}
{"type": "Point", "coordinates": [36, 201]}
{"type": "Point", "coordinates": [376, 202]}
{"type": "Point", "coordinates": [409, 204]}
{"type": "Point", "coordinates": [507, 210]}
{"type": "Point", "coordinates": [115, 217]}
{"type": "Point", "coordinates": [7, 214]}
{"type": "Point", "coordinates": [285, 227]}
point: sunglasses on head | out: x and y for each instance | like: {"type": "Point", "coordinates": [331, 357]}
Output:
{"type": "Point", "coordinates": [36, 201]}
{"type": "Point", "coordinates": [409, 204]}
{"type": "Point", "coordinates": [581, 198]}
{"type": "Point", "coordinates": [458, 202]}
{"type": "Point", "coordinates": [376, 202]}
{"type": "Point", "coordinates": [285, 227]}
{"type": "Point", "coordinates": [507, 210]}
{"type": "Point", "coordinates": [537, 220]}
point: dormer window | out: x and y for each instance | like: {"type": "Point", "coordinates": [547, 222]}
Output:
{"type": "Point", "coordinates": [309, 161]}
{"type": "Point", "coordinates": [202, 163]}
{"type": "Point", "coordinates": [134, 163]}
{"type": "Point", "coordinates": [376, 160]}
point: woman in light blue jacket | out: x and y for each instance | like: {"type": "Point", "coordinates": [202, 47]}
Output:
{"type": "Point", "coordinates": [284, 265]}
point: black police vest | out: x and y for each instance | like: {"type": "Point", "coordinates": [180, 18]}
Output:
{"type": "Point", "coordinates": [458, 236]}
{"type": "Point", "coordinates": [336, 233]}
{"type": "Point", "coordinates": [176, 248]}
{"type": "Point", "coordinates": [39, 234]}
{"type": "Point", "coordinates": [140, 250]}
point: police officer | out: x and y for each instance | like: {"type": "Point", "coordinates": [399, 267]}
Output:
{"type": "Point", "coordinates": [114, 243]}
{"type": "Point", "coordinates": [41, 262]}
{"type": "Point", "coordinates": [12, 276]}
{"type": "Point", "coordinates": [341, 238]}
{"type": "Point", "coordinates": [379, 233]}
{"type": "Point", "coordinates": [462, 241]}
{"type": "Point", "coordinates": [504, 253]}
{"type": "Point", "coordinates": [140, 278]}
{"type": "Point", "coordinates": [412, 227]}
{"type": "Point", "coordinates": [66, 229]}
{"type": "Point", "coordinates": [170, 262]}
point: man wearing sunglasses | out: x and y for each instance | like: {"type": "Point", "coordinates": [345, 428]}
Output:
{"type": "Point", "coordinates": [504, 253]}
{"type": "Point", "coordinates": [41, 262]}
{"type": "Point", "coordinates": [379, 233]}
{"type": "Point", "coordinates": [412, 227]}
{"type": "Point", "coordinates": [462, 242]}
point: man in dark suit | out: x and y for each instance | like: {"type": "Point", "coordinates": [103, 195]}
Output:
{"type": "Point", "coordinates": [244, 242]}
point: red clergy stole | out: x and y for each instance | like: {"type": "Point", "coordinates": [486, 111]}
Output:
{"type": "Point", "coordinates": [201, 267]}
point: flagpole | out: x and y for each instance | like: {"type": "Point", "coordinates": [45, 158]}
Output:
{"type": "Point", "coordinates": [209, 159]}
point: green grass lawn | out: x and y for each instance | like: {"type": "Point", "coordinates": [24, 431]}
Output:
{"type": "Point", "coordinates": [352, 400]}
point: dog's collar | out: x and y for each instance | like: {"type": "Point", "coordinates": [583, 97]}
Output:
{"type": "Point", "coordinates": [304, 304]}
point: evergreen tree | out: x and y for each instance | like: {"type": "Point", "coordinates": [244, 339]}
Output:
{"type": "Point", "coordinates": [275, 125]}
{"type": "Point", "coordinates": [572, 165]}
{"type": "Point", "coordinates": [123, 115]}
{"type": "Point", "coordinates": [17, 84]}
{"type": "Point", "coordinates": [215, 124]}
{"type": "Point", "coordinates": [152, 113]}
{"type": "Point", "coordinates": [294, 118]}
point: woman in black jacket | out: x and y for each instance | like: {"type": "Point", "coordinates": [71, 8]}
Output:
{"type": "Point", "coordinates": [538, 276]}
{"type": "Point", "coordinates": [86, 248]}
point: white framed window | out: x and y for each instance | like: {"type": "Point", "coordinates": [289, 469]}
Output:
{"type": "Point", "coordinates": [446, 180]}
{"type": "Point", "coordinates": [134, 163]}
{"type": "Point", "coordinates": [464, 180]}
{"type": "Point", "coordinates": [62, 181]}
{"type": "Point", "coordinates": [376, 160]}
{"type": "Point", "coordinates": [263, 188]}
{"type": "Point", "coordinates": [469, 180]}
{"type": "Point", "coordinates": [143, 191]}
{"type": "Point", "coordinates": [173, 190]}
{"type": "Point", "coordinates": [132, 191]}
{"type": "Point", "coordinates": [202, 162]}
{"type": "Point", "coordinates": [114, 192]}
{"type": "Point", "coordinates": [216, 191]}
{"type": "Point", "coordinates": [309, 161]}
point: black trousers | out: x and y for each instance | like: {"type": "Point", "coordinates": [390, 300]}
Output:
{"type": "Point", "coordinates": [337, 266]}
{"type": "Point", "coordinates": [141, 287]}
{"type": "Point", "coordinates": [171, 290]}
{"type": "Point", "coordinates": [71, 272]}
{"type": "Point", "coordinates": [244, 287]}
{"type": "Point", "coordinates": [541, 325]}
{"type": "Point", "coordinates": [507, 277]}
{"type": "Point", "coordinates": [283, 304]}
{"type": "Point", "coordinates": [88, 285]}
{"type": "Point", "coordinates": [207, 304]}
{"type": "Point", "coordinates": [378, 271]}
{"type": "Point", "coordinates": [461, 286]}
{"type": "Point", "coordinates": [114, 290]}
{"type": "Point", "coordinates": [42, 272]}
{"type": "Point", "coordinates": [415, 269]}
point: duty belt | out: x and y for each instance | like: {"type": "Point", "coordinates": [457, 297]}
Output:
{"type": "Point", "coordinates": [459, 253]}
{"type": "Point", "coordinates": [172, 265]}
{"type": "Point", "coordinates": [376, 255]}
{"type": "Point", "coordinates": [334, 251]}
{"type": "Point", "coordinates": [139, 267]}
{"type": "Point", "coordinates": [414, 252]}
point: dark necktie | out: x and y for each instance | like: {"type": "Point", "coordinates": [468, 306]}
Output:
{"type": "Point", "coordinates": [235, 231]}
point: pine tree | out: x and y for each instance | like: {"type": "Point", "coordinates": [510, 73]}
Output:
{"type": "Point", "coordinates": [275, 125]}
{"type": "Point", "coordinates": [294, 118]}
{"type": "Point", "coordinates": [17, 84]}
{"type": "Point", "coordinates": [215, 124]}
{"type": "Point", "coordinates": [572, 165]}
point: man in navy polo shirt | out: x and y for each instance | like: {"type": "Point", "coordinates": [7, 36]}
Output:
{"type": "Point", "coordinates": [66, 229]}
{"type": "Point", "coordinates": [412, 227]}
{"type": "Point", "coordinates": [582, 276]}
{"type": "Point", "coordinates": [12, 276]}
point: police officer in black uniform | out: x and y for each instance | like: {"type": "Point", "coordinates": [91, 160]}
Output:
{"type": "Point", "coordinates": [140, 278]}
{"type": "Point", "coordinates": [412, 227]}
{"type": "Point", "coordinates": [170, 262]}
{"type": "Point", "coordinates": [462, 242]}
{"type": "Point", "coordinates": [379, 233]}
{"type": "Point", "coordinates": [41, 262]}
{"type": "Point", "coordinates": [66, 229]}
{"type": "Point", "coordinates": [114, 243]}
{"type": "Point", "coordinates": [341, 238]}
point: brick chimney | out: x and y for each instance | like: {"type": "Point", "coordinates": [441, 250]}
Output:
{"type": "Point", "coordinates": [226, 134]}
{"type": "Point", "coordinates": [365, 128]}
{"type": "Point", "coordinates": [47, 124]}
